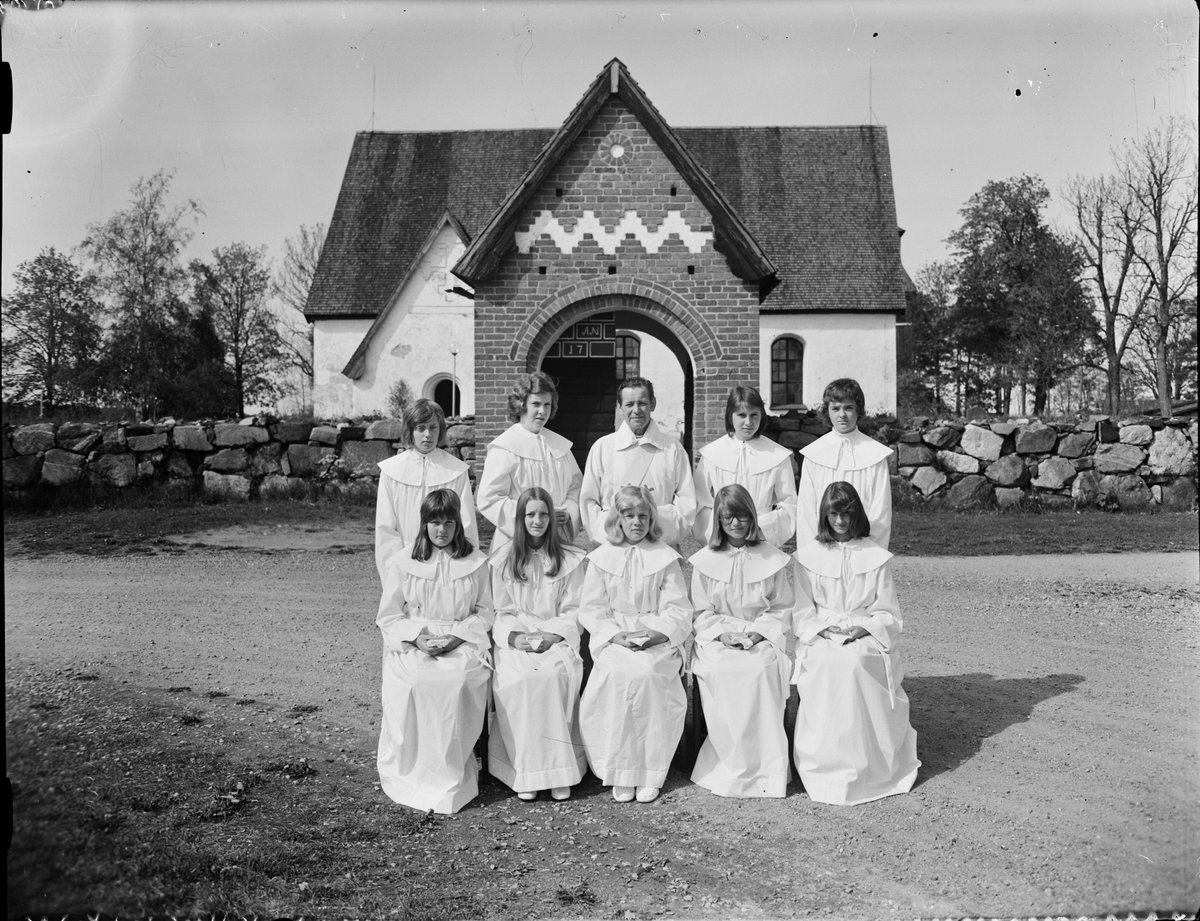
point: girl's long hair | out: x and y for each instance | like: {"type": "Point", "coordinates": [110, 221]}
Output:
{"type": "Point", "coordinates": [521, 552]}
{"type": "Point", "coordinates": [736, 500]}
{"type": "Point", "coordinates": [628, 497]}
{"type": "Point", "coordinates": [743, 395]}
{"type": "Point", "coordinates": [441, 505]}
{"type": "Point", "coordinates": [841, 497]}
{"type": "Point", "coordinates": [421, 411]}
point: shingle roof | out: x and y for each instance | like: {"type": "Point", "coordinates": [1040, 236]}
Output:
{"type": "Point", "coordinates": [818, 200]}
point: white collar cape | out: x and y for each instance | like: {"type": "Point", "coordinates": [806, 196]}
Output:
{"type": "Point", "coordinates": [762, 562]}
{"type": "Point", "coordinates": [762, 453]}
{"type": "Point", "coordinates": [520, 441]}
{"type": "Point", "coordinates": [427, 569]}
{"type": "Point", "coordinates": [826, 559]}
{"type": "Point", "coordinates": [653, 434]}
{"type": "Point", "coordinates": [867, 451]}
{"type": "Point", "coordinates": [572, 558]}
{"type": "Point", "coordinates": [405, 467]}
{"type": "Point", "coordinates": [611, 557]}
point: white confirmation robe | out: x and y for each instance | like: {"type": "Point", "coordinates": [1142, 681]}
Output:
{"type": "Point", "coordinates": [654, 461]}
{"type": "Point", "coordinates": [632, 711]}
{"type": "Point", "coordinates": [518, 459]}
{"type": "Point", "coordinates": [534, 743]}
{"type": "Point", "coordinates": [404, 482]}
{"type": "Point", "coordinates": [853, 739]}
{"type": "Point", "coordinates": [433, 707]}
{"type": "Point", "coordinates": [860, 461]}
{"type": "Point", "coordinates": [760, 465]}
{"type": "Point", "coordinates": [744, 692]}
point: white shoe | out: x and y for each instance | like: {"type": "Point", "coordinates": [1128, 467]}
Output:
{"type": "Point", "coordinates": [647, 794]}
{"type": "Point", "coordinates": [528, 796]}
{"type": "Point", "coordinates": [560, 793]}
{"type": "Point", "coordinates": [624, 794]}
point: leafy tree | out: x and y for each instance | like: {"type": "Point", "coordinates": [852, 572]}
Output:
{"type": "Point", "coordinates": [50, 332]}
{"type": "Point", "coordinates": [137, 257]}
{"type": "Point", "coordinates": [930, 353]}
{"type": "Point", "coordinates": [399, 397]}
{"type": "Point", "coordinates": [233, 291]}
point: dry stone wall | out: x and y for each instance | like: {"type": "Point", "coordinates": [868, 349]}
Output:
{"type": "Point", "coordinates": [1128, 465]}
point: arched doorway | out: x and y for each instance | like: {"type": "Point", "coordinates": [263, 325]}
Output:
{"type": "Point", "coordinates": [446, 394]}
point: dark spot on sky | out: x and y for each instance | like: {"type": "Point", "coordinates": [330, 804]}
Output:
{"type": "Point", "coordinates": [1018, 92]}
{"type": "Point", "coordinates": [875, 35]}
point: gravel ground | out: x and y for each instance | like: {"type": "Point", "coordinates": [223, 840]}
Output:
{"type": "Point", "coordinates": [1054, 698]}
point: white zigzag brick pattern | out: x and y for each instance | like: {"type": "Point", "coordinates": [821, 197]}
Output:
{"type": "Point", "coordinates": [609, 240]}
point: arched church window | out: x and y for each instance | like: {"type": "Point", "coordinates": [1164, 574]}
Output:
{"type": "Point", "coordinates": [629, 356]}
{"type": "Point", "coordinates": [787, 372]}
{"type": "Point", "coordinates": [447, 395]}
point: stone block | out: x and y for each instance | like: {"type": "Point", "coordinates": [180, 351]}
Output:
{"type": "Point", "coordinates": [30, 439]}
{"type": "Point", "coordinates": [971, 492]}
{"type": "Point", "coordinates": [190, 438]}
{"type": "Point", "coordinates": [1004, 429]}
{"type": "Point", "coordinates": [1107, 433]}
{"type": "Point", "coordinates": [1171, 454]}
{"type": "Point", "coordinates": [928, 480]}
{"type": "Point", "coordinates": [266, 460]}
{"type": "Point", "coordinates": [1133, 495]}
{"type": "Point", "coordinates": [61, 468]}
{"type": "Point", "coordinates": [143, 443]}
{"type": "Point", "coordinates": [228, 460]}
{"type": "Point", "coordinates": [113, 440]}
{"type": "Point", "coordinates": [179, 466]}
{"type": "Point", "coordinates": [9, 450]}
{"type": "Point", "coordinates": [942, 437]}
{"type": "Point", "coordinates": [118, 470]}
{"type": "Point", "coordinates": [1037, 438]}
{"type": "Point", "coordinates": [139, 428]}
{"type": "Point", "coordinates": [789, 423]}
{"type": "Point", "coordinates": [352, 432]}
{"type": "Point", "coordinates": [1083, 463]}
{"type": "Point", "coordinates": [1009, 470]}
{"type": "Point", "coordinates": [302, 459]}
{"type": "Point", "coordinates": [1076, 444]}
{"type": "Point", "coordinates": [814, 425]}
{"type": "Point", "coordinates": [1007, 498]}
{"type": "Point", "coordinates": [291, 433]}
{"type": "Point", "coordinates": [230, 435]}
{"type": "Point", "coordinates": [323, 435]}
{"type": "Point", "coordinates": [79, 437]}
{"type": "Point", "coordinates": [1179, 495]}
{"type": "Point", "coordinates": [914, 455]}
{"type": "Point", "coordinates": [911, 438]}
{"type": "Point", "coordinates": [459, 435]}
{"type": "Point", "coordinates": [275, 485]}
{"type": "Point", "coordinates": [1118, 458]}
{"type": "Point", "coordinates": [384, 430]}
{"type": "Point", "coordinates": [145, 471]}
{"type": "Point", "coordinates": [229, 486]}
{"type": "Point", "coordinates": [467, 453]}
{"type": "Point", "coordinates": [981, 443]}
{"type": "Point", "coordinates": [1086, 489]}
{"type": "Point", "coordinates": [957, 463]}
{"type": "Point", "coordinates": [1136, 435]}
{"type": "Point", "coordinates": [1054, 473]}
{"type": "Point", "coordinates": [793, 440]}
{"type": "Point", "coordinates": [22, 470]}
{"type": "Point", "coordinates": [362, 458]}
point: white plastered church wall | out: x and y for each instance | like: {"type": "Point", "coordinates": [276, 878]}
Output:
{"type": "Point", "coordinates": [857, 345]}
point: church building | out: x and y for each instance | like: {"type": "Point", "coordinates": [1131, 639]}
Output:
{"type": "Point", "coordinates": [616, 244]}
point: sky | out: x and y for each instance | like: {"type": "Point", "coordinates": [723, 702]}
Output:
{"type": "Point", "coordinates": [255, 104]}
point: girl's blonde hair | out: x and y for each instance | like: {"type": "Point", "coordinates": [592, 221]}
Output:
{"type": "Point", "coordinates": [628, 497]}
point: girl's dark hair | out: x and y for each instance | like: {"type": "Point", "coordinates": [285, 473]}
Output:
{"type": "Point", "coordinates": [521, 552]}
{"type": "Point", "coordinates": [537, 382]}
{"type": "Point", "coordinates": [843, 390]}
{"type": "Point", "coordinates": [631, 497]}
{"type": "Point", "coordinates": [441, 505]}
{"type": "Point", "coordinates": [842, 497]}
{"type": "Point", "coordinates": [743, 395]}
{"type": "Point", "coordinates": [417, 412]}
{"type": "Point", "coordinates": [734, 498]}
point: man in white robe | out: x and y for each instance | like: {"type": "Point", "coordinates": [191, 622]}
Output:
{"type": "Point", "coordinates": [639, 453]}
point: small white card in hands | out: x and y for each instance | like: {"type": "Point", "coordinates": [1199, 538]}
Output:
{"type": "Point", "coordinates": [638, 639]}
{"type": "Point", "coordinates": [744, 641]}
{"type": "Point", "coordinates": [840, 638]}
{"type": "Point", "coordinates": [437, 642]}
{"type": "Point", "coordinates": [536, 643]}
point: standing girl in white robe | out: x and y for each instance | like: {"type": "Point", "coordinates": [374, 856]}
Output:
{"type": "Point", "coordinates": [434, 615]}
{"type": "Point", "coordinates": [853, 739]}
{"type": "Point", "coordinates": [745, 456]}
{"type": "Point", "coordinates": [406, 479]}
{"type": "Point", "coordinates": [743, 609]}
{"type": "Point", "coordinates": [846, 455]}
{"type": "Point", "coordinates": [529, 454]}
{"type": "Point", "coordinates": [537, 584]}
{"type": "Point", "coordinates": [635, 607]}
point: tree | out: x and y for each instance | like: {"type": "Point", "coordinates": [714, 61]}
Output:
{"type": "Point", "coordinates": [1159, 173]}
{"type": "Point", "coordinates": [233, 292]}
{"type": "Point", "coordinates": [137, 256]}
{"type": "Point", "coordinates": [301, 255]}
{"type": "Point", "coordinates": [51, 334]}
{"type": "Point", "coordinates": [1020, 307]}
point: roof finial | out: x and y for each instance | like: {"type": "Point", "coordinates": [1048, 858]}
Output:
{"type": "Point", "coordinates": [613, 70]}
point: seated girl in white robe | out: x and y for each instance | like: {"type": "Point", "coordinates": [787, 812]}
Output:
{"type": "Point", "coordinates": [853, 740]}
{"type": "Point", "coordinates": [406, 479]}
{"type": "Point", "coordinates": [748, 457]}
{"type": "Point", "coordinates": [537, 584]}
{"type": "Point", "coordinates": [743, 609]}
{"type": "Point", "coordinates": [635, 607]}
{"type": "Point", "coordinates": [845, 454]}
{"type": "Point", "coordinates": [434, 615]}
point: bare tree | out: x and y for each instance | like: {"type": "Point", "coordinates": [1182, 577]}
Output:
{"type": "Point", "coordinates": [300, 258]}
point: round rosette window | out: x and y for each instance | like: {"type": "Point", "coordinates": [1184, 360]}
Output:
{"type": "Point", "coordinates": [616, 150]}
